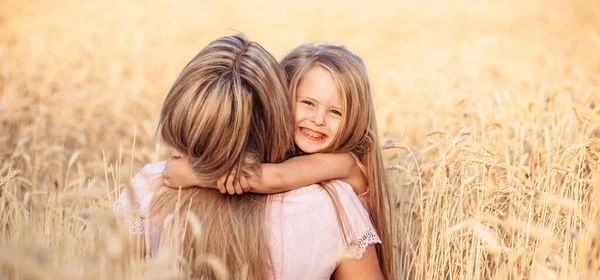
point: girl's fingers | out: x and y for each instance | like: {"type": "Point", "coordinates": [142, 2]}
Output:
{"type": "Point", "coordinates": [244, 184]}
{"type": "Point", "coordinates": [229, 184]}
{"type": "Point", "coordinates": [241, 185]}
{"type": "Point", "coordinates": [238, 187]}
{"type": "Point", "coordinates": [221, 185]}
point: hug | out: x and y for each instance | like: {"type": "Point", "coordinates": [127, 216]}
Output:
{"type": "Point", "coordinates": [278, 173]}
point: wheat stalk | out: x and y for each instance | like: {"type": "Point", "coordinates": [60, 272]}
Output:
{"type": "Point", "coordinates": [10, 175]}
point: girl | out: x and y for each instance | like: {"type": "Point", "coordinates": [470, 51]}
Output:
{"type": "Point", "coordinates": [334, 113]}
{"type": "Point", "coordinates": [228, 110]}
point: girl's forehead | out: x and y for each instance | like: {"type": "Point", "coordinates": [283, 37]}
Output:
{"type": "Point", "coordinates": [318, 83]}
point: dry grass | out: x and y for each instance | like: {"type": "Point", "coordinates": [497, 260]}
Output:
{"type": "Point", "coordinates": [492, 110]}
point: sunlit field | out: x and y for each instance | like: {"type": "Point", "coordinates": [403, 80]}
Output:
{"type": "Point", "coordinates": [489, 113]}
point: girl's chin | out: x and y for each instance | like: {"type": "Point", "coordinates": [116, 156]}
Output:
{"type": "Point", "coordinates": [310, 146]}
{"type": "Point", "coordinates": [309, 149]}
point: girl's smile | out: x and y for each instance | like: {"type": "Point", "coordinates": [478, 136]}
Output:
{"type": "Point", "coordinates": [312, 135]}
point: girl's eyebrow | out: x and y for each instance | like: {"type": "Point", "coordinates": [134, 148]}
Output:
{"type": "Point", "coordinates": [337, 108]}
{"type": "Point", "coordinates": [306, 97]}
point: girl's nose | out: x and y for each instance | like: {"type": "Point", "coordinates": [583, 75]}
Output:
{"type": "Point", "coordinates": [318, 119]}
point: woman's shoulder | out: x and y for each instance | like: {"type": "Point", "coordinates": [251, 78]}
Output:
{"type": "Point", "coordinates": [347, 194]}
{"type": "Point", "coordinates": [360, 232]}
{"type": "Point", "coordinates": [316, 193]}
{"type": "Point", "coordinates": [152, 169]}
{"type": "Point", "coordinates": [147, 178]}
{"type": "Point", "coordinates": [142, 187]}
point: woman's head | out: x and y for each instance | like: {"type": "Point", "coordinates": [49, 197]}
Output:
{"type": "Point", "coordinates": [332, 101]}
{"type": "Point", "coordinates": [229, 105]}
{"type": "Point", "coordinates": [228, 110]}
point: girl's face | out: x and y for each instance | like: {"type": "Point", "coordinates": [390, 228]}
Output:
{"type": "Point", "coordinates": [319, 111]}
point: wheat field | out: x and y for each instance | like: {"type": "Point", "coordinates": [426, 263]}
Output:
{"type": "Point", "coordinates": [490, 114]}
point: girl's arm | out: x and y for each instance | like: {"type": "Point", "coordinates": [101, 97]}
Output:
{"type": "Point", "coordinates": [179, 174]}
{"type": "Point", "coordinates": [309, 169]}
{"type": "Point", "coordinates": [276, 177]}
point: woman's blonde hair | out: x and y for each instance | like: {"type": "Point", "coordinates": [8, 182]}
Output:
{"type": "Point", "coordinates": [228, 110]}
{"type": "Point", "coordinates": [358, 132]}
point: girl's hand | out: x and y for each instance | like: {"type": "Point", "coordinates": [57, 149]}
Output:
{"type": "Point", "coordinates": [178, 173]}
{"type": "Point", "coordinates": [228, 184]}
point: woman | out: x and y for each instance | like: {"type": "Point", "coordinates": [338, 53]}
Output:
{"type": "Point", "coordinates": [228, 110]}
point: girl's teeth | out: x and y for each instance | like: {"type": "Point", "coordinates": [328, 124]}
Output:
{"type": "Point", "coordinates": [313, 134]}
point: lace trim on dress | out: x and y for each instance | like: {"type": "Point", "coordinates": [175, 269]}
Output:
{"type": "Point", "coordinates": [132, 221]}
{"type": "Point", "coordinates": [358, 247]}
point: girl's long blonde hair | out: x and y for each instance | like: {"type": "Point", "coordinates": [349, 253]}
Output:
{"type": "Point", "coordinates": [228, 110]}
{"type": "Point", "coordinates": [358, 132]}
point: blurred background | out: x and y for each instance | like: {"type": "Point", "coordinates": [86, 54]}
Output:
{"type": "Point", "coordinates": [82, 82]}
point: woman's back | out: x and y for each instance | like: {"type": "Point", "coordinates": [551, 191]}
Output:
{"type": "Point", "coordinates": [304, 236]}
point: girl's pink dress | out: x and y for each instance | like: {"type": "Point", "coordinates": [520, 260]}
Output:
{"type": "Point", "coordinates": [305, 239]}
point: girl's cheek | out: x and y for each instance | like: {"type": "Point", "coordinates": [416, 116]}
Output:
{"type": "Point", "coordinates": [300, 113]}
{"type": "Point", "coordinates": [336, 125]}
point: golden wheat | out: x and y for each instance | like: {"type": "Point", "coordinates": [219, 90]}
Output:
{"type": "Point", "coordinates": [489, 111]}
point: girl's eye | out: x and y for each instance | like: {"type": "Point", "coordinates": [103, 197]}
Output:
{"type": "Point", "coordinates": [336, 112]}
{"type": "Point", "coordinates": [307, 102]}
